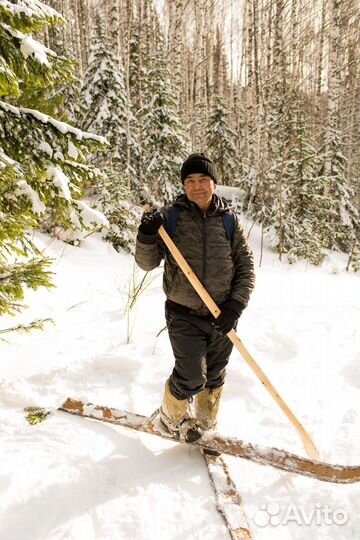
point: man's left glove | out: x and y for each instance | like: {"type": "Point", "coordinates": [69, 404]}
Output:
{"type": "Point", "coordinates": [226, 321]}
{"type": "Point", "coordinates": [151, 221]}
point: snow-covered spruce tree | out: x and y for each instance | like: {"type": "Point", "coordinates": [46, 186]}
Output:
{"type": "Point", "coordinates": [221, 143]}
{"type": "Point", "coordinates": [104, 102]}
{"type": "Point", "coordinates": [247, 178]}
{"type": "Point", "coordinates": [307, 210]}
{"type": "Point", "coordinates": [42, 160]}
{"type": "Point", "coordinates": [116, 203]}
{"type": "Point", "coordinates": [344, 215]}
{"type": "Point", "coordinates": [164, 143]}
{"type": "Point", "coordinates": [145, 38]}
{"type": "Point", "coordinates": [60, 38]}
{"type": "Point", "coordinates": [104, 110]}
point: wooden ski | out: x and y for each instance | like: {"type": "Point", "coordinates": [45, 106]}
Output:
{"type": "Point", "coordinates": [213, 441]}
{"type": "Point", "coordinates": [228, 500]}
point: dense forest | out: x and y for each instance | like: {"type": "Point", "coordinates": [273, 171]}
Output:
{"type": "Point", "coordinates": [102, 100]}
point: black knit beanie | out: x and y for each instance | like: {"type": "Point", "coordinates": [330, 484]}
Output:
{"type": "Point", "coordinates": [198, 163]}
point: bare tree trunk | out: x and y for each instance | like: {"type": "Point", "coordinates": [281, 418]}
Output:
{"type": "Point", "coordinates": [256, 50]}
{"type": "Point", "coordinates": [83, 28]}
{"type": "Point", "coordinates": [333, 84]}
{"type": "Point", "coordinates": [175, 46]}
{"type": "Point", "coordinates": [319, 77]}
{"type": "Point", "coordinates": [129, 20]}
{"type": "Point", "coordinates": [55, 36]}
{"type": "Point", "coordinates": [76, 37]}
{"type": "Point", "coordinates": [199, 80]}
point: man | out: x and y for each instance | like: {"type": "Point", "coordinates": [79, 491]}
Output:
{"type": "Point", "coordinates": [225, 267]}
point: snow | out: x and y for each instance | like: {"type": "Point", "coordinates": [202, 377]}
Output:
{"type": "Point", "coordinates": [72, 150]}
{"type": "Point", "coordinates": [5, 159]}
{"type": "Point", "coordinates": [24, 189]}
{"type": "Point", "coordinates": [90, 216]}
{"type": "Point", "coordinates": [75, 478]}
{"type": "Point", "coordinates": [9, 108]}
{"type": "Point", "coordinates": [59, 156]}
{"type": "Point", "coordinates": [60, 180]}
{"type": "Point", "coordinates": [45, 147]}
{"type": "Point", "coordinates": [30, 8]}
{"type": "Point", "coordinates": [62, 127]}
{"type": "Point", "coordinates": [30, 47]}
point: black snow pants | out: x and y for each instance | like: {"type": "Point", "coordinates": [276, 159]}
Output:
{"type": "Point", "coordinates": [201, 354]}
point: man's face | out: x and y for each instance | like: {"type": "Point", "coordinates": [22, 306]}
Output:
{"type": "Point", "coordinates": [199, 188]}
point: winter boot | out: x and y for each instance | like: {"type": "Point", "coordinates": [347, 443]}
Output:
{"type": "Point", "coordinates": [175, 416]}
{"type": "Point", "coordinates": [207, 407]}
{"type": "Point", "coordinates": [206, 410]}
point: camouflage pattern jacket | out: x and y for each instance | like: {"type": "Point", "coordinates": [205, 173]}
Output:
{"type": "Point", "coordinates": [224, 267]}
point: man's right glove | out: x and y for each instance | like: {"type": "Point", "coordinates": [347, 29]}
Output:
{"type": "Point", "coordinates": [151, 221]}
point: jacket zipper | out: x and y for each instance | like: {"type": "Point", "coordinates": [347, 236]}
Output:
{"type": "Point", "coordinates": [204, 245]}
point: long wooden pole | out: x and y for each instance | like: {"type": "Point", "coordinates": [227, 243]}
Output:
{"type": "Point", "coordinates": [308, 443]}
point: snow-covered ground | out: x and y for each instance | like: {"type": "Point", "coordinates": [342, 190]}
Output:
{"type": "Point", "coordinates": [75, 479]}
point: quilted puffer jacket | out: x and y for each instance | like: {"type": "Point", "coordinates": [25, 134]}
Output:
{"type": "Point", "coordinates": [224, 267]}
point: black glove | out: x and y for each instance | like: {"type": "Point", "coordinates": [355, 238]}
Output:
{"type": "Point", "coordinates": [226, 321]}
{"type": "Point", "coordinates": [151, 221]}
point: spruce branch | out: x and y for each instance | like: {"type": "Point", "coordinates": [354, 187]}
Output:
{"type": "Point", "coordinates": [37, 324]}
{"type": "Point", "coordinates": [14, 277]}
{"type": "Point", "coordinates": [36, 415]}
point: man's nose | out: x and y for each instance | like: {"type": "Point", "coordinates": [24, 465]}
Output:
{"type": "Point", "coordinates": [197, 184]}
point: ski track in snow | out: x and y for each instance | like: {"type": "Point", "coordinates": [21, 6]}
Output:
{"type": "Point", "coordinates": [72, 478]}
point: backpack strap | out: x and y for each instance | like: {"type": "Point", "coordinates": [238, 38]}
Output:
{"type": "Point", "coordinates": [229, 221]}
{"type": "Point", "coordinates": [173, 217]}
